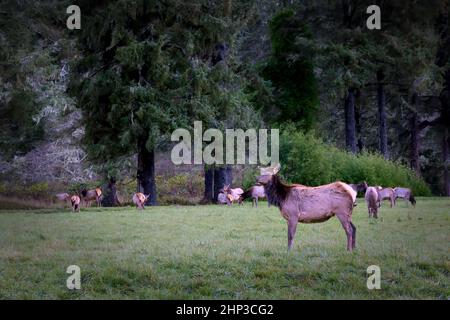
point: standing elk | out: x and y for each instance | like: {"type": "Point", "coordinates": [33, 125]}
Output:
{"type": "Point", "coordinates": [385, 193]}
{"type": "Point", "coordinates": [63, 197]}
{"type": "Point", "coordinates": [232, 195]}
{"type": "Point", "coordinates": [406, 194]}
{"type": "Point", "coordinates": [371, 197]}
{"type": "Point", "coordinates": [91, 195]}
{"type": "Point", "coordinates": [75, 202]}
{"type": "Point", "coordinates": [255, 193]}
{"type": "Point", "coordinates": [298, 203]}
{"type": "Point", "coordinates": [139, 200]}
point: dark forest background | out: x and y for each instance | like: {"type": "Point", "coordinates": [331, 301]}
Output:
{"type": "Point", "coordinates": [97, 106]}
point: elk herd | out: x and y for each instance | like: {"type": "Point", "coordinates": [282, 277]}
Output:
{"type": "Point", "coordinates": [297, 203]}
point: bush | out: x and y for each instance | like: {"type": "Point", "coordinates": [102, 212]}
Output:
{"type": "Point", "coordinates": [306, 159]}
{"type": "Point", "coordinates": [249, 178]}
{"type": "Point", "coordinates": [38, 189]}
{"type": "Point", "coordinates": [183, 186]}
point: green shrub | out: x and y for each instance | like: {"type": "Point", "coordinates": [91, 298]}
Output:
{"type": "Point", "coordinates": [249, 178]}
{"type": "Point", "coordinates": [181, 185]}
{"type": "Point", "coordinates": [38, 189]}
{"type": "Point", "coordinates": [306, 159]}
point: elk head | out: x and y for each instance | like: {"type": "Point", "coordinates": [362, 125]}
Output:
{"type": "Point", "coordinates": [267, 173]}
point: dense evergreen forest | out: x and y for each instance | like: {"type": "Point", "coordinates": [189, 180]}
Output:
{"type": "Point", "coordinates": [97, 106]}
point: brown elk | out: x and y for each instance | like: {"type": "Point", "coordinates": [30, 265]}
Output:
{"type": "Point", "coordinates": [255, 193]}
{"type": "Point", "coordinates": [63, 197]}
{"type": "Point", "coordinates": [371, 197]}
{"type": "Point", "coordinates": [91, 195]}
{"type": "Point", "coordinates": [298, 203]}
{"type": "Point", "coordinates": [139, 200]}
{"type": "Point", "coordinates": [232, 195]}
{"type": "Point", "coordinates": [406, 194]}
{"type": "Point", "coordinates": [75, 201]}
{"type": "Point", "coordinates": [385, 193]}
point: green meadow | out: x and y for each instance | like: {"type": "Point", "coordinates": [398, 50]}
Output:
{"type": "Point", "coordinates": [219, 252]}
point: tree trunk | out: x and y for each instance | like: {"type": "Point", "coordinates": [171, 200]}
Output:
{"type": "Point", "coordinates": [445, 118]}
{"type": "Point", "coordinates": [220, 177]}
{"type": "Point", "coordinates": [110, 194]}
{"type": "Point", "coordinates": [146, 172]}
{"type": "Point", "coordinates": [414, 150]}
{"type": "Point", "coordinates": [227, 8]}
{"type": "Point", "coordinates": [350, 126]}
{"type": "Point", "coordinates": [446, 161]}
{"type": "Point", "coordinates": [229, 175]}
{"type": "Point", "coordinates": [382, 117]}
{"type": "Point", "coordinates": [360, 142]}
{"type": "Point", "coordinates": [209, 185]}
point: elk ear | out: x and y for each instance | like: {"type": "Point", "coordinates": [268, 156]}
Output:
{"type": "Point", "coordinates": [276, 169]}
{"type": "Point", "coordinates": [265, 171]}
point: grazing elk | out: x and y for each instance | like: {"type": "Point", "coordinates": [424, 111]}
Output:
{"type": "Point", "coordinates": [139, 200]}
{"type": "Point", "coordinates": [91, 195]}
{"type": "Point", "coordinates": [232, 195]}
{"type": "Point", "coordinates": [222, 198]}
{"type": "Point", "coordinates": [75, 202]}
{"type": "Point", "coordinates": [255, 193]}
{"type": "Point", "coordinates": [225, 198]}
{"type": "Point", "coordinates": [298, 203]}
{"type": "Point", "coordinates": [404, 193]}
{"type": "Point", "coordinates": [371, 197]}
{"type": "Point", "coordinates": [385, 193]}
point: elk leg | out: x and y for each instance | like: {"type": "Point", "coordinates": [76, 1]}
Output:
{"type": "Point", "coordinates": [353, 235]}
{"type": "Point", "coordinates": [292, 228]}
{"type": "Point", "coordinates": [346, 224]}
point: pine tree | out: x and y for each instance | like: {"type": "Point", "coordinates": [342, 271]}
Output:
{"type": "Point", "coordinates": [147, 69]}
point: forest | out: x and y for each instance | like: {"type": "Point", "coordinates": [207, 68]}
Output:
{"type": "Point", "coordinates": [96, 106]}
{"type": "Point", "coordinates": [112, 187]}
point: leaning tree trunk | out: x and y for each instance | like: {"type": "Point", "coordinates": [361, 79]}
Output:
{"type": "Point", "coordinates": [146, 172]}
{"type": "Point", "coordinates": [350, 125]}
{"type": "Point", "coordinates": [209, 184]}
{"type": "Point", "coordinates": [110, 194]}
{"type": "Point", "coordinates": [382, 117]}
{"type": "Point", "coordinates": [414, 149]}
{"type": "Point", "coordinates": [220, 179]}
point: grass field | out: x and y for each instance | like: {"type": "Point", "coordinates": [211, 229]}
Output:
{"type": "Point", "coordinates": [209, 252]}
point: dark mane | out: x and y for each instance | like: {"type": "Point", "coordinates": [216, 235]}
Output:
{"type": "Point", "coordinates": [277, 191]}
{"type": "Point", "coordinates": [360, 187]}
{"type": "Point", "coordinates": [247, 194]}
